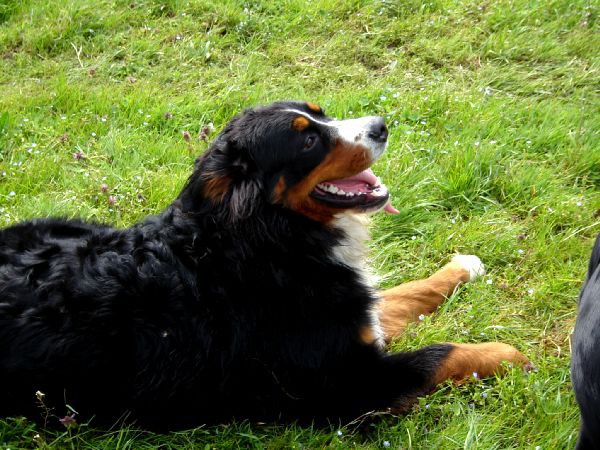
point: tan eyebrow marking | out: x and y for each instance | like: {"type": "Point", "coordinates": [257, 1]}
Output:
{"type": "Point", "coordinates": [313, 107]}
{"type": "Point", "coordinates": [300, 123]}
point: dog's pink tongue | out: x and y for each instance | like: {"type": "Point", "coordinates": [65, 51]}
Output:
{"type": "Point", "coordinates": [390, 209]}
{"type": "Point", "coordinates": [358, 182]}
{"type": "Point", "coordinates": [369, 177]}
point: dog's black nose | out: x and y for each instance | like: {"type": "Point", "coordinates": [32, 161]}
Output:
{"type": "Point", "coordinates": [377, 130]}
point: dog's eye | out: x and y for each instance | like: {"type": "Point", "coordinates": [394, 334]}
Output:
{"type": "Point", "coordinates": [310, 142]}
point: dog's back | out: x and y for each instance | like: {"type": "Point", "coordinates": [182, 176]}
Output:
{"type": "Point", "coordinates": [585, 366]}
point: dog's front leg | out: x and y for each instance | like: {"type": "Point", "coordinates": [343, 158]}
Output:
{"type": "Point", "coordinates": [405, 303]}
{"type": "Point", "coordinates": [420, 371]}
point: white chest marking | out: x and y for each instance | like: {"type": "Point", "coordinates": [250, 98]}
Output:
{"type": "Point", "coordinates": [352, 252]}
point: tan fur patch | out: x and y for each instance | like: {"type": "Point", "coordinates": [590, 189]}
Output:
{"type": "Point", "coordinates": [215, 187]}
{"type": "Point", "coordinates": [279, 189]}
{"type": "Point", "coordinates": [366, 335]}
{"type": "Point", "coordinates": [314, 107]}
{"type": "Point", "coordinates": [465, 360]}
{"type": "Point", "coordinates": [342, 161]}
{"type": "Point", "coordinates": [300, 123]}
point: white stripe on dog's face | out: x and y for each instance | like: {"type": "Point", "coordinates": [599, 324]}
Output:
{"type": "Point", "coordinates": [351, 131]}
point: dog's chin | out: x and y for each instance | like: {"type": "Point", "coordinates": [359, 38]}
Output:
{"type": "Point", "coordinates": [361, 193]}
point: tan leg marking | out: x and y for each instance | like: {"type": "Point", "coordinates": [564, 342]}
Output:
{"type": "Point", "coordinates": [405, 303]}
{"type": "Point", "coordinates": [465, 360]}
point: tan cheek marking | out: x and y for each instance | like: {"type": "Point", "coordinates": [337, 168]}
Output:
{"type": "Point", "coordinates": [279, 189]}
{"type": "Point", "coordinates": [341, 162]}
{"type": "Point", "coordinates": [313, 107]}
{"type": "Point", "coordinates": [484, 359]}
{"type": "Point", "coordinates": [300, 123]}
{"type": "Point", "coordinates": [215, 187]}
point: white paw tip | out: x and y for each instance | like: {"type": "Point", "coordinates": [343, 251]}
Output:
{"type": "Point", "coordinates": [472, 264]}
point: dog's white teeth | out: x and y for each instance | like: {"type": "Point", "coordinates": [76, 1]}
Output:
{"type": "Point", "coordinates": [328, 188]}
{"type": "Point", "coordinates": [335, 190]}
{"type": "Point", "coordinates": [379, 192]}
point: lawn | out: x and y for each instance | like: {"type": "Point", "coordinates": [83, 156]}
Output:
{"type": "Point", "coordinates": [493, 109]}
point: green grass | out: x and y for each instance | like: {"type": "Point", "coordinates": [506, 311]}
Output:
{"type": "Point", "coordinates": [493, 112]}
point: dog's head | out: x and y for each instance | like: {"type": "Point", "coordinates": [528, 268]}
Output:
{"type": "Point", "coordinates": [291, 154]}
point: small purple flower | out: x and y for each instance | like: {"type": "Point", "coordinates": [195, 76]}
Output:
{"type": "Point", "coordinates": [78, 155]}
{"type": "Point", "coordinates": [204, 134]}
{"type": "Point", "coordinates": [475, 375]}
{"type": "Point", "coordinates": [68, 420]}
{"type": "Point", "coordinates": [187, 136]}
{"type": "Point", "coordinates": [112, 199]}
{"type": "Point", "coordinates": [168, 115]}
{"type": "Point", "coordinates": [104, 187]}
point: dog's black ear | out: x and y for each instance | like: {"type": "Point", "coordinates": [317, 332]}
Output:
{"type": "Point", "coordinates": [227, 178]}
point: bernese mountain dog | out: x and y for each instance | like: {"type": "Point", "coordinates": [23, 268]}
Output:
{"type": "Point", "coordinates": [585, 361]}
{"type": "Point", "coordinates": [247, 298]}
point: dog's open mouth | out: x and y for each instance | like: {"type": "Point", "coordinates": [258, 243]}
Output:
{"type": "Point", "coordinates": [362, 191]}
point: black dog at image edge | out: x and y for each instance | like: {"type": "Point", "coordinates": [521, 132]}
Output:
{"type": "Point", "coordinates": [248, 297]}
{"type": "Point", "coordinates": [585, 363]}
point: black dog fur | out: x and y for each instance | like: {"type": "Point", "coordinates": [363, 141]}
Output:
{"type": "Point", "coordinates": [585, 364]}
{"type": "Point", "coordinates": [209, 311]}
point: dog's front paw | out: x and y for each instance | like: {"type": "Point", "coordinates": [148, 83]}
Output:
{"type": "Point", "coordinates": [471, 264]}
